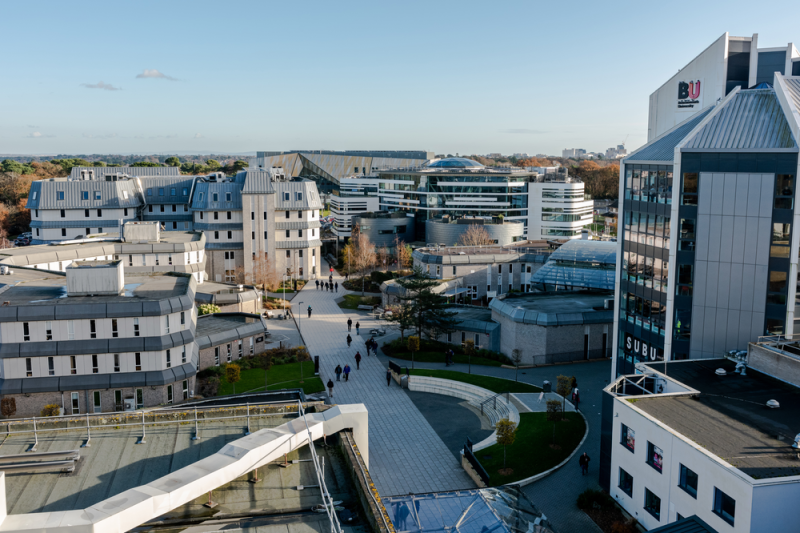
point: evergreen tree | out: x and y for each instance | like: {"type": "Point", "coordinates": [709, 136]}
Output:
{"type": "Point", "coordinates": [430, 310]}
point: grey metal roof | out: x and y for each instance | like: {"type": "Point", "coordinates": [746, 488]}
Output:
{"type": "Point", "coordinates": [663, 147]}
{"type": "Point", "coordinates": [258, 182]}
{"type": "Point", "coordinates": [99, 172]}
{"type": "Point", "coordinates": [564, 308]}
{"type": "Point", "coordinates": [751, 120]}
{"type": "Point", "coordinates": [691, 524]}
{"type": "Point", "coordinates": [287, 195]}
{"type": "Point", "coordinates": [793, 88]}
{"type": "Point", "coordinates": [44, 194]}
{"type": "Point", "coordinates": [219, 328]}
{"type": "Point", "coordinates": [313, 243]}
{"type": "Point", "coordinates": [166, 185]}
{"type": "Point", "coordinates": [203, 197]}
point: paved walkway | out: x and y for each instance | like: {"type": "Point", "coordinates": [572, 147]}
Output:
{"type": "Point", "coordinates": [406, 454]}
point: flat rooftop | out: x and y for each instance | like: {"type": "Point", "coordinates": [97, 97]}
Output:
{"type": "Point", "coordinates": [36, 287]}
{"type": "Point", "coordinates": [561, 308]}
{"type": "Point", "coordinates": [517, 248]}
{"type": "Point", "coordinates": [730, 418]}
{"type": "Point", "coordinates": [219, 328]}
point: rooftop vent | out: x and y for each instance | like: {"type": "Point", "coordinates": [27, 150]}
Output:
{"type": "Point", "coordinates": [773, 404]}
{"type": "Point", "coordinates": [141, 232]}
{"type": "Point", "coordinates": [95, 278]}
{"type": "Point", "coordinates": [721, 372]}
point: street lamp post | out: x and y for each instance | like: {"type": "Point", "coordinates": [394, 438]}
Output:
{"type": "Point", "coordinates": [299, 318]}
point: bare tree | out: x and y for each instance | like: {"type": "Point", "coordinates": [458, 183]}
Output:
{"type": "Point", "coordinates": [516, 356]}
{"type": "Point", "coordinates": [265, 274]}
{"type": "Point", "coordinates": [382, 257]}
{"type": "Point", "coordinates": [475, 236]}
{"type": "Point", "coordinates": [403, 253]}
{"type": "Point", "coordinates": [363, 255]}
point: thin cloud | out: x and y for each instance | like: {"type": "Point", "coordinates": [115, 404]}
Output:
{"type": "Point", "coordinates": [33, 127]}
{"type": "Point", "coordinates": [523, 131]}
{"type": "Point", "coordinates": [101, 85]}
{"type": "Point", "coordinates": [100, 136]}
{"type": "Point", "coordinates": [155, 74]}
{"type": "Point", "coordinates": [198, 136]}
{"type": "Point", "coordinates": [38, 135]}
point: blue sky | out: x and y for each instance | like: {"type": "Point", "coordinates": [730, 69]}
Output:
{"type": "Point", "coordinates": [467, 77]}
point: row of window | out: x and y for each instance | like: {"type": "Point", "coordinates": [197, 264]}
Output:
{"type": "Point", "coordinates": [229, 355]}
{"type": "Point", "coordinates": [652, 230]}
{"type": "Point", "coordinates": [646, 271]}
{"type": "Point", "coordinates": [648, 314]}
{"type": "Point", "coordinates": [172, 192]}
{"type": "Point", "coordinates": [653, 186]}
{"type": "Point", "coordinates": [784, 190]}
{"type": "Point", "coordinates": [724, 505]}
{"type": "Point", "coordinates": [75, 404]}
{"type": "Point", "coordinates": [48, 328]}
{"type": "Point", "coordinates": [73, 363]}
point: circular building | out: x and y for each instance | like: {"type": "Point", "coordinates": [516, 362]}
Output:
{"type": "Point", "coordinates": [448, 231]}
{"type": "Point", "coordinates": [383, 228]}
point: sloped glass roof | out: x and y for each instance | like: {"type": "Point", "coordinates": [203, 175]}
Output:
{"type": "Point", "coordinates": [455, 162]}
{"type": "Point", "coordinates": [580, 251]}
{"type": "Point", "coordinates": [579, 263]}
{"type": "Point", "coordinates": [491, 510]}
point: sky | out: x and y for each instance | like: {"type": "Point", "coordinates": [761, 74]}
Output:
{"type": "Point", "coordinates": [449, 77]}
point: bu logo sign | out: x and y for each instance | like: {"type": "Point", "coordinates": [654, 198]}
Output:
{"type": "Point", "coordinates": [641, 349]}
{"type": "Point", "coordinates": [689, 89]}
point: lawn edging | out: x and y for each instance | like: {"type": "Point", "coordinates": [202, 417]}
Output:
{"type": "Point", "coordinates": [537, 477]}
{"type": "Point", "coordinates": [465, 391]}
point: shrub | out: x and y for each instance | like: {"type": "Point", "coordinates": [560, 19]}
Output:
{"type": "Point", "coordinates": [379, 277]}
{"type": "Point", "coordinates": [207, 309]}
{"type": "Point", "coordinates": [50, 410]}
{"type": "Point", "coordinates": [553, 410]}
{"type": "Point", "coordinates": [8, 406]}
{"type": "Point", "coordinates": [594, 499]}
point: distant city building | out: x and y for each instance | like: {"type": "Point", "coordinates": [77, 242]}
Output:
{"type": "Point", "coordinates": [616, 153]}
{"type": "Point", "coordinates": [494, 155]}
{"type": "Point", "coordinates": [522, 155]}
{"type": "Point", "coordinates": [572, 152]}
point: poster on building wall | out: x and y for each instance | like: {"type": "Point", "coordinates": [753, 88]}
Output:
{"type": "Point", "coordinates": [641, 350]}
{"type": "Point", "coordinates": [690, 95]}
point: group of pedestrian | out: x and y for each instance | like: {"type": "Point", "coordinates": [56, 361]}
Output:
{"type": "Point", "coordinates": [371, 344]}
{"type": "Point", "coordinates": [350, 326]}
{"type": "Point", "coordinates": [339, 371]}
{"type": "Point", "coordinates": [329, 286]}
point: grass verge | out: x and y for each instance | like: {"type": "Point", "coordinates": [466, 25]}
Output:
{"type": "Point", "coordinates": [352, 301]}
{"type": "Point", "coordinates": [531, 452]}
{"type": "Point", "coordinates": [487, 382]}
{"type": "Point", "coordinates": [286, 376]}
{"type": "Point", "coordinates": [438, 357]}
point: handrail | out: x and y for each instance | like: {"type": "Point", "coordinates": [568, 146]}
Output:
{"type": "Point", "coordinates": [493, 399]}
{"type": "Point", "coordinates": [378, 504]}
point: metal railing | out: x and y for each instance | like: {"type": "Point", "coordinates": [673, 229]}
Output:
{"type": "Point", "coordinates": [493, 399]}
{"type": "Point", "coordinates": [476, 465]}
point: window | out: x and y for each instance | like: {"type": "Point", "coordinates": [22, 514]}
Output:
{"type": "Point", "coordinates": [174, 225]}
{"type": "Point", "coordinates": [135, 327]}
{"type": "Point", "coordinates": [215, 197]}
{"type": "Point", "coordinates": [76, 405]}
{"type": "Point", "coordinates": [137, 361]}
{"type": "Point", "coordinates": [288, 254]}
{"type": "Point", "coordinates": [48, 332]}
{"type": "Point", "coordinates": [174, 208]}
{"type": "Point", "coordinates": [655, 457]}
{"type": "Point", "coordinates": [166, 319]}
{"type": "Point", "coordinates": [288, 234]}
{"type": "Point", "coordinates": [185, 191]}
{"type": "Point", "coordinates": [216, 356]}
{"type": "Point", "coordinates": [86, 213]}
{"type": "Point", "coordinates": [161, 191]}
{"type": "Point", "coordinates": [28, 367]}
{"type": "Point", "coordinates": [95, 367]}
{"type": "Point", "coordinates": [185, 389]}
{"type": "Point", "coordinates": [185, 208]}
{"type": "Point", "coordinates": [652, 504]}
{"type": "Point", "coordinates": [96, 195]}
{"type": "Point", "coordinates": [35, 194]}
{"type": "Point", "coordinates": [126, 211]}
{"type": "Point", "coordinates": [169, 394]}
{"type": "Point", "coordinates": [92, 329]}
{"type": "Point", "coordinates": [162, 208]}
{"type": "Point", "coordinates": [149, 192]}
{"type": "Point", "coordinates": [59, 195]}
{"type": "Point", "coordinates": [139, 399]}
{"type": "Point", "coordinates": [253, 235]}
{"type": "Point", "coordinates": [51, 366]}
{"type": "Point", "coordinates": [300, 233]}
{"type": "Point", "coordinates": [286, 197]}
{"type": "Point", "coordinates": [63, 213]}
{"type": "Point", "coordinates": [300, 254]}
{"type": "Point", "coordinates": [216, 235]}
{"type": "Point", "coordinates": [169, 359]}
{"type": "Point", "coordinates": [227, 197]}
{"type": "Point", "coordinates": [172, 192]}
{"type": "Point", "coordinates": [183, 355]}
{"type": "Point", "coordinates": [477, 339]}
{"type": "Point", "coordinates": [229, 215]}
{"type": "Point", "coordinates": [781, 240]}
{"type": "Point", "coordinates": [625, 482]}
{"type": "Point", "coordinates": [118, 406]}
{"type": "Point", "coordinates": [689, 188]}
{"type": "Point", "coordinates": [230, 235]}
{"type": "Point", "coordinates": [724, 506]}
{"type": "Point", "coordinates": [73, 365]}
{"type": "Point", "coordinates": [150, 208]}
{"type": "Point", "coordinates": [240, 348]}
{"type": "Point", "coordinates": [63, 232]}
{"type": "Point", "coordinates": [265, 215]}
{"type": "Point", "coordinates": [156, 258]}
{"type": "Point", "coordinates": [688, 481]}
{"type": "Point", "coordinates": [454, 271]}
{"type": "Point", "coordinates": [252, 215]}
{"type": "Point", "coordinates": [685, 277]}
{"type": "Point", "coordinates": [628, 438]}
{"type": "Point", "coordinates": [299, 197]}
{"type": "Point", "coordinates": [287, 213]}
{"type": "Point", "coordinates": [26, 332]}
{"type": "Point", "coordinates": [229, 352]}
{"type": "Point", "coordinates": [114, 330]}
{"type": "Point", "coordinates": [784, 191]}
{"type": "Point", "coordinates": [169, 261]}
{"type": "Point", "coordinates": [116, 362]}
{"type": "Point", "coordinates": [252, 346]}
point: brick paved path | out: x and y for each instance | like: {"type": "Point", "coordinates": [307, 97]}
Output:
{"type": "Point", "coordinates": [406, 454]}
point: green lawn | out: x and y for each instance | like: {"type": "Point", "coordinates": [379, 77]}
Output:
{"type": "Point", "coordinates": [280, 377]}
{"type": "Point", "coordinates": [352, 301]}
{"type": "Point", "coordinates": [438, 357]}
{"type": "Point", "coordinates": [487, 382]}
{"type": "Point", "coordinates": [531, 453]}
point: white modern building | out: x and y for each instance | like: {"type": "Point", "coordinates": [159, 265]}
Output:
{"type": "Point", "coordinates": [557, 207]}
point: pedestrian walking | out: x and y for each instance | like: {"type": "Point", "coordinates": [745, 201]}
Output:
{"type": "Point", "coordinates": [584, 462]}
{"type": "Point", "coordinates": [338, 371]}
{"type": "Point", "coordinates": [358, 325]}
{"type": "Point", "coordinates": [336, 286]}
{"type": "Point", "coordinates": [317, 284]}
{"type": "Point", "coordinates": [347, 372]}
{"type": "Point", "coordinates": [576, 399]}
{"type": "Point", "coordinates": [375, 347]}
{"type": "Point", "coordinates": [330, 278]}
{"type": "Point", "coordinates": [388, 377]}
{"type": "Point", "coordinates": [349, 340]}
{"type": "Point", "coordinates": [309, 311]}
{"type": "Point", "coordinates": [358, 360]}
{"type": "Point", "coordinates": [330, 388]}
{"type": "Point", "coordinates": [349, 323]}
{"type": "Point", "coordinates": [368, 344]}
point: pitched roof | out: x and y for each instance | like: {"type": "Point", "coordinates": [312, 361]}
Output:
{"type": "Point", "coordinates": [297, 194]}
{"type": "Point", "coordinates": [154, 186]}
{"type": "Point", "coordinates": [45, 194]}
{"type": "Point", "coordinates": [258, 182]}
{"type": "Point", "coordinates": [99, 172]}
{"type": "Point", "coordinates": [203, 197]}
{"type": "Point", "coordinates": [751, 120]}
{"type": "Point", "coordinates": [663, 147]}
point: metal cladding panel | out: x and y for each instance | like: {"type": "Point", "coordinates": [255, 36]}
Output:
{"type": "Point", "coordinates": [751, 120]}
{"type": "Point", "coordinates": [283, 245]}
{"type": "Point", "coordinates": [34, 195]}
{"type": "Point", "coordinates": [84, 382]}
{"type": "Point", "coordinates": [531, 317]}
{"type": "Point", "coordinates": [548, 319]}
{"type": "Point", "coordinates": [258, 182]}
{"type": "Point", "coordinates": [176, 338]}
{"type": "Point", "coordinates": [112, 194]}
{"type": "Point", "coordinates": [203, 298]}
{"type": "Point", "coordinates": [663, 147]}
{"type": "Point", "coordinates": [32, 385]}
{"type": "Point", "coordinates": [9, 350]}
{"type": "Point", "coordinates": [79, 311]}
{"type": "Point", "coordinates": [203, 197]}
{"type": "Point", "coordinates": [32, 313]}
{"type": "Point", "coordinates": [128, 379]}
{"type": "Point", "coordinates": [439, 232]}
{"type": "Point", "coordinates": [160, 378]}
{"type": "Point", "coordinates": [119, 310]}
{"type": "Point", "coordinates": [127, 344]}
{"type": "Point", "coordinates": [156, 184]}
{"type": "Point", "coordinates": [517, 314]}
{"type": "Point", "coordinates": [38, 349]}
{"type": "Point", "coordinates": [203, 342]}
{"type": "Point", "coordinates": [793, 88]}
{"type": "Point", "coordinates": [565, 319]}
{"type": "Point", "coordinates": [100, 172]}
{"type": "Point", "coordinates": [11, 386]}
{"type": "Point", "coordinates": [179, 372]}
{"type": "Point", "coordinates": [154, 344]}
{"type": "Point", "coordinates": [157, 308]}
{"type": "Point", "coordinates": [8, 314]}
{"type": "Point", "coordinates": [302, 224]}
{"type": "Point", "coordinates": [187, 336]}
{"type": "Point", "coordinates": [83, 347]}
{"type": "Point", "coordinates": [309, 198]}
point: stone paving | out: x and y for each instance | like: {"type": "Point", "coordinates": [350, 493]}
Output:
{"type": "Point", "coordinates": [406, 454]}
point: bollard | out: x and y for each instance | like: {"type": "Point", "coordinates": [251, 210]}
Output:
{"type": "Point", "coordinates": [35, 436]}
{"type": "Point", "coordinates": [141, 440]}
{"type": "Point", "coordinates": [88, 443]}
{"type": "Point", "coordinates": [248, 418]}
{"type": "Point", "coordinates": [196, 430]}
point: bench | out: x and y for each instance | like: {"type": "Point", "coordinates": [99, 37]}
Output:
{"type": "Point", "coordinates": [365, 308]}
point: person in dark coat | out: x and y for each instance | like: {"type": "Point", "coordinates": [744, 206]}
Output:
{"type": "Point", "coordinates": [309, 311]}
{"type": "Point", "coordinates": [576, 399]}
{"type": "Point", "coordinates": [388, 377]}
{"type": "Point", "coordinates": [358, 360]}
{"type": "Point", "coordinates": [338, 372]}
{"type": "Point", "coordinates": [347, 372]}
{"type": "Point", "coordinates": [336, 286]}
{"type": "Point", "coordinates": [349, 340]}
{"type": "Point", "coordinates": [584, 462]}
{"type": "Point", "coordinates": [317, 282]}
{"type": "Point", "coordinates": [330, 388]}
{"type": "Point", "coordinates": [358, 325]}
{"type": "Point", "coordinates": [349, 323]}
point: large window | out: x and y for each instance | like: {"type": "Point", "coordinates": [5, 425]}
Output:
{"type": "Point", "coordinates": [689, 188]}
{"type": "Point", "coordinates": [652, 504]}
{"type": "Point", "coordinates": [648, 185]}
{"type": "Point", "coordinates": [688, 481]}
{"type": "Point", "coordinates": [784, 191]}
{"type": "Point", "coordinates": [628, 438]}
{"type": "Point", "coordinates": [655, 457]}
{"type": "Point", "coordinates": [724, 506]}
{"type": "Point", "coordinates": [781, 240]}
{"type": "Point", "coordinates": [625, 482]}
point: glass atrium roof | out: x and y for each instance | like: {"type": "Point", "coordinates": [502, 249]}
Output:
{"type": "Point", "coordinates": [579, 263]}
{"type": "Point", "coordinates": [455, 162]}
{"type": "Point", "coordinates": [491, 510]}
